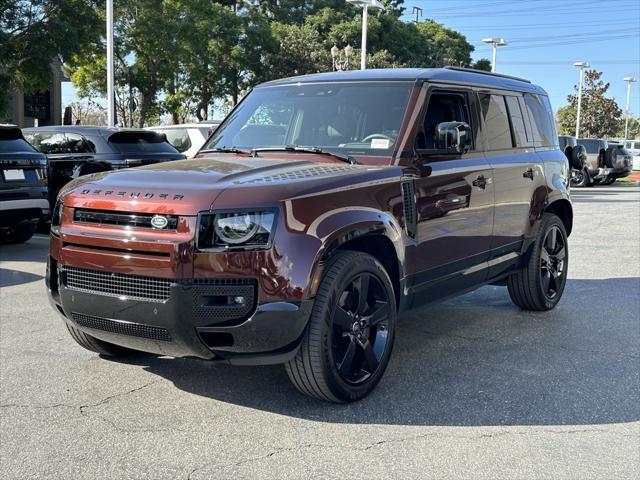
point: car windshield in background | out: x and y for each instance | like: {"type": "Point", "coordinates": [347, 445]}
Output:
{"type": "Point", "coordinates": [11, 142]}
{"type": "Point", "coordinates": [140, 142]}
{"type": "Point", "coordinates": [347, 118]}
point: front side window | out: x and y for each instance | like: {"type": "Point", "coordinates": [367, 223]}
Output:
{"type": "Point", "coordinates": [348, 118]}
{"type": "Point", "coordinates": [443, 107]}
{"type": "Point", "coordinates": [496, 122]}
{"type": "Point", "coordinates": [78, 144]}
{"type": "Point", "coordinates": [49, 143]}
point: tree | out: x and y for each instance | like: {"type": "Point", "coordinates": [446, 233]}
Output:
{"type": "Point", "coordinates": [33, 33]}
{"type": "Point", "coordinates": [86, 112]}
{"type": "Point", "coordinates": [599, 116]}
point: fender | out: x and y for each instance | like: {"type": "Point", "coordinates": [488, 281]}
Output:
{"type": "Point", "coordinates": [337, 227]}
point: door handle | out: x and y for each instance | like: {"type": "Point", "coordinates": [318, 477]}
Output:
{"type": "Point", "coordinates": [480, 182]}
{"type": "Point", "coordinates": [528, 173]}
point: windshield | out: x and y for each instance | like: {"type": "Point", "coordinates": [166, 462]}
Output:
{"type": "Point", "coordinates": [347, 118]}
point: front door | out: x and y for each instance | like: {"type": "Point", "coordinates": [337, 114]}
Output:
{"type": "Point", "coordinates": [454, 204]}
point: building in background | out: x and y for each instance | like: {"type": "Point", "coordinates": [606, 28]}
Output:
{"type": "Point", "coordinates": [45, 107]}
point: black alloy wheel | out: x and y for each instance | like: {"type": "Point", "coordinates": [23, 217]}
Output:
{"type": "Point", "coordinates": [348, 341]}
{"type": "Point", "coordinates": [552, 262]}
{"type": "Point", "coordinates": [360, 328]}
{"type": "Point", "coordinates": [579, 178]}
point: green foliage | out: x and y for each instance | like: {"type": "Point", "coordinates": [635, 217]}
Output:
{"type": "Point", "coordinates": [600, 116]}
{"type": "Point", "coordinates": [634, 128]}
{"type": "Point", "coordinates": [33, 33]}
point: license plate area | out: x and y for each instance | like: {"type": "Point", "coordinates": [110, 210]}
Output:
{"type": "Point", "coordinates": [14, 174]}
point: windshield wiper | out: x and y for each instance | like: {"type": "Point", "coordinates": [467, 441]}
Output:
{"type": "Point", "coordinates": [224, 150]}
{"type": "Point", "coordinates": [294, 148]}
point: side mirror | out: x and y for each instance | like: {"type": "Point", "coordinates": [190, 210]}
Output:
{"type": "Point", "coordinates": [453, 137]}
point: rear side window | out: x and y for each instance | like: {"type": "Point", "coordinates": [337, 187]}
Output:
{"type": "Point", "coordinates": [140, 142]}
{"type": "Point", "coordinates": [179, 138]}
{"type": "Point", "coordinates": [11, 141]}
{"type": "Point", "coordinates": [78, 144]}
{"type": "Point", "coordinates": [542, 120]}
{"type": "Point", "coordinates": [496, 121]}
{"type": "Point", "coordinates": [517, 122]}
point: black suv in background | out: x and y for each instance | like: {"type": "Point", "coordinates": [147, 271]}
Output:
{"type": "Point", "coordinates": [74, 151]}
{"type": "Point", "coordinates": [23, 186]}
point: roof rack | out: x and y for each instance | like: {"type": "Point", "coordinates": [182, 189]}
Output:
{"type": "Point", "coordinates": [484, 72]}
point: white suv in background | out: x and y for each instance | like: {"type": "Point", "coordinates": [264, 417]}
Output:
{"type": "Point", "coordinates": [634, 148]}
{"type": "Point", "coordinates": [187, 138]}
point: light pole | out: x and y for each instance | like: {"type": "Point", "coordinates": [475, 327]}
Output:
{"type": "Point", "coordinates": [495, 43]}
{"type": "Point", "coordinates": [365, 4]}
{"type": "Point", "coordinates": [629, 81]}
{"type": "Point", "coordinates": [110, 94]}
{"type": "Point", "coordinates": [339, 62]}
{"type": "Point", "coordinates": [581, 66]}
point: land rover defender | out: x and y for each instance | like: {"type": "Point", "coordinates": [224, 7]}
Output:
{"type": "Point", "coordinates": [320, 210]}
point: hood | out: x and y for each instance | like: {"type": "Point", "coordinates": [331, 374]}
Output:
{"type": "Point", "coordinates": [186, 187]}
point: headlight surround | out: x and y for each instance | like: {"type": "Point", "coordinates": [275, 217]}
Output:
{"type": "Point", "coordinates": [244, 230]}
{"type": "Point", "coordinates": [56, 218]}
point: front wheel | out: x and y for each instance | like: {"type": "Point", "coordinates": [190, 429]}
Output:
{"type": "Point", "coordinates": [348, 341]}
{"type": "Point", "coordinates": [539, 285]}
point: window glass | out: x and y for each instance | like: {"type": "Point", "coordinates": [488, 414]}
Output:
{"type": "Point", "coordinates": [48, 142]}
{"type": "Point", "coordinates": [443, 107]}
{"type": "Point", "coordinates": [11, 141]}
{"type": "Point", "coordinates": [496, 122]}
{"type": "Point", "coordinates": [140, 142]}
{"type": "Point", "coordinates": [350, 117]}
{"type": "Point", "coordinates": [78, 144]}
{"type": "Point", "coordinates": [179, 138]}
{"type": "Point", "coordinates": [591, 146]}
{"type": "Point", "coordinates": [542, 120]}
{"type": "Point", "coordinates": [517, 122]}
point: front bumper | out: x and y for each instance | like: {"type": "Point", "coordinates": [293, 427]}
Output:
{"type": "Point", "coordinates": [193, 320]}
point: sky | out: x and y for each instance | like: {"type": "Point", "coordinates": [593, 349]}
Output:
{"type": "Point", "coordinates": [545, 38]}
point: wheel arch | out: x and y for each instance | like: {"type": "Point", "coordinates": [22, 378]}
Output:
{"type": "Point", "coordinates": [563, 209]}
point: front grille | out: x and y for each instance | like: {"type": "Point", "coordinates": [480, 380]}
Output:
{"type": "Point", "coordinates": [215, 299]}
{"type": "Point", "coordinates": [122, 219]}
{"type": "Point", "coordinates": [120, 327]}
{"type": "Point", "coordinates": [135, 287]}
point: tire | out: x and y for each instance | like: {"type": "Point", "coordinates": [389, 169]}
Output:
{"type": "Point", "coordinates": [581, 178]}
{"type": "Point", "coordinates": [20, 233]}
{"type": "Point", "coordinates": [540, 284]}
{"type": "Point", "coordinates": [340, 361]}
{"type": "Point", "coordinates": [98, 346]}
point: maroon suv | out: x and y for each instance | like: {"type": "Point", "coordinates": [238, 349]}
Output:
{"type": "Point", "coordinates": [322, 208]}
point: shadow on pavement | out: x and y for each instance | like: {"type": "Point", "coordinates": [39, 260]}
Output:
{"type": "Point", "coordinates": [474, 360]}
{"type": "Point", "coordinates": [9, 278]}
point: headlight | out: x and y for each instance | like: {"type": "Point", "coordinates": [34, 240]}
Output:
{"type": "Point", "coordinates": [228, 230]}
{"type": "Point", "coordinates": [56, 218]}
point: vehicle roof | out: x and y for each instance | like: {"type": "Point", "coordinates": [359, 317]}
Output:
{"type": "Point", "coordinates": [184, 125]}
{"type": "Point", "coordinates": [82, 129]}
{"type": "Point", "coordinates": [452, 75]}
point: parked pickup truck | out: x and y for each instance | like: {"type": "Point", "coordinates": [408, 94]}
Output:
{"type": "Point", "coordinates": [320, 210]}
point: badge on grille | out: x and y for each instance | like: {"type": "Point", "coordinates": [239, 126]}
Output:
{"type": "Point", "coordinates": [159, 221]}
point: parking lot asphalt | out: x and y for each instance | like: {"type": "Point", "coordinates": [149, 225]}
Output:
{"type": "Point", "coordinates": [476, 388]}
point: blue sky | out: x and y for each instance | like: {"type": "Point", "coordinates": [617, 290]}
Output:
{"type": "Point", "coordinates": [545, 38]}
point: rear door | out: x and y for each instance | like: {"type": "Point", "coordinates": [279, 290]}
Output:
{"type": "Point", "coordinates": [518, 174]}
{"type": "Point", "coordinates": [454, 203]}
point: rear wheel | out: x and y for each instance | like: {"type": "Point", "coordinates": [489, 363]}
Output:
{"type": "Point", "coordinates": [539, 285]}
{"type": "Point", "coordinates": [98, 346]}
{"type": "Point", "coordinates": [348, 341]}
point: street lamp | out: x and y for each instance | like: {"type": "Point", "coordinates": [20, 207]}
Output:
{"type": "Point", "coordinates": [339, 62]}
{"type": "Point", "coordinates": [629, 81]}
{"type": "Point", "coordinates": [581, 66]}
{"type": "Point", "coordinates": [365, 4]}
{"type": "Point", "coordinates": [111, 114]}
{"type": "Point", "coordinates": [495, 43]}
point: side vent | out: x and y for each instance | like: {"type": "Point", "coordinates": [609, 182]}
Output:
{"type": "Point", "coordinates": [409, 207]}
